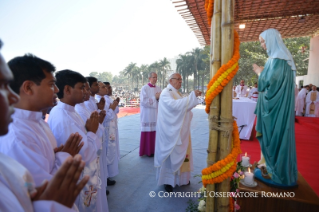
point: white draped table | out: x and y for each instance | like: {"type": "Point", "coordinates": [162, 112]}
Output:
{"type": "Point", "coordinates": [243, 110]}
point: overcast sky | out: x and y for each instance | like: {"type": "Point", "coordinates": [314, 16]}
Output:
{"type": "Point", "coordinates": [94, 35]}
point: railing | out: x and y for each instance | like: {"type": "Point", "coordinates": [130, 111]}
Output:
{"type": "Point", "coordinates": [133, 103]}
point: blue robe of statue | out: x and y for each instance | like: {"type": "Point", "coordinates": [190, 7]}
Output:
{"type": "Point", "coordinates": [275, 120]}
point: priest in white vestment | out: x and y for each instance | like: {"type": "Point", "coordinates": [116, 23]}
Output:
{"type": "Point", "coordinates": [17, 187]}
{"type": "Point", "coordinates": [92, 104]}
{"type": "Point", "coordinates": [110, 115]}
{"type": "Point", "coordinates": [312, 100]}
{"type": "Point", "coordinates": [173, 148]}
{"type": "Point", "coordinates": [85, 114]}
{"type": "Point", "coordinates": [64, 120]}
{"type": "Point", "coordinates": [241, 90]}
{"type": "Point", "coordinates": [30, 140]}
{"type": "Point", "coordinates": [300, 101]}
{"type": "Point", "coordinates": [113, 149]}
{"type": "Point", "coordinates": [253, 93]}
{"type": "Point", "coordinates": [149, 97]}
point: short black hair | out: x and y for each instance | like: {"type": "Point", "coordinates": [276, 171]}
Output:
{"type": "Point", "coordinates": [106, 83]}
{"type": "Point", "coordinates": [91, 80]}
{"type": "Point", "coordinates": [1, 43]}
{"type": "Point", "coordinates": [67, 77]}
{"type": "Point", "coordinates": [28, 67]}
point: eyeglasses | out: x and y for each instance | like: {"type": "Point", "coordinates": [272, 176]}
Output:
{"type": "Point", "coordinates": [179, 79]}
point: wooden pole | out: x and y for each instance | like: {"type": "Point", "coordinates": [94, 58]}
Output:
{"type": "Point", "coordinates": [215, 106]}
{"type": "Point", "coordinates": [225, 137]}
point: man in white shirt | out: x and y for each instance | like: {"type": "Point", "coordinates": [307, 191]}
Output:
{"type": "Point", "coordinates": [17, 188]}
{"type": "Point", "coordinates": [85, 114]}
{"type": "Point", "coordinates": [173, 148]}
{"type": "Point", "coordinates": [110, 114]}
{"type": "Point", "coordinates": [300, 101]}
{"type": "Point", "coordinates": [149, 97]}
{"type": "Point", "coordinates": [30, 140]}
{"type": "Point", "coordinates": [312, 101]}
{"type": "Point", "coordinates": [64, 120]}
{"type": "Point", "coordinates": [241, 90]}
{"type": "Point", "coordinates": [92, 103]}
{"type": "Point", "coordinates": [253, 93]}
{"type": "Point", "coordinates": [113, 149]}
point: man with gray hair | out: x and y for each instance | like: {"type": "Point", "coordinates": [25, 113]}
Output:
{"type": "Point", "coordinates": [173, 150]}
{"type": "Point", "coordinates": [149, 97]}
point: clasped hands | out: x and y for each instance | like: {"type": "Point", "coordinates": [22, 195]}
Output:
{"type": "Point", "coordinates": [63, 187]}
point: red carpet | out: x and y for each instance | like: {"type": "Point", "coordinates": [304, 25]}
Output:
{"type": "Point", "coordinates": [126, 111]}
{"type": "Point", "coordinates": [307, 147]}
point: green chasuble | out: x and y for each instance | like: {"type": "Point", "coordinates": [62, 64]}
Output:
{"type": "Point", "coordinates": [276, 120]}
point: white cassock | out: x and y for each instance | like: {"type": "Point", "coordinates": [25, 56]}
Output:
{"type": "Point", "coordinates": [91, 104]}
{"type": "Point", "coordinates": [312, 101]}
{"type": "Point", "coordinates": [253, 96]}
{"type": "Point", "coordinates": [16, 185]}
{"type": "Point", "coordinates": [241, 92]}
{"type": "Point", "coordinates": [173, 150]}
{"type": "Point", "coordinates": [110, 124]}
{"type": "Point", "coordinates": [63, 121]}
{"type": "Point", "coordinates": [149, 105]}
{"type": "Point", "coordinates": [300, 102]}
{"type": "Point", "coordinates": [30, 142]}
{"type": "Point", "coordinates": [85, 114]}
{"type": "Point", "coordinates": [148, 115]}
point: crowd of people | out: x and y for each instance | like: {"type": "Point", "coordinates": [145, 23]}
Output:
{"type": "Point", "coordinates": [307, 101]}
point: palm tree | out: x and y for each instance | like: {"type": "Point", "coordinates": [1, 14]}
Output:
{"type": "Point", "coordinates": [130, 71]}
{"type": "Point", "coordinates": [184, 69]}
{"type": "Point", "coordinates": [144, 69]}
{"type": "Point", "coordinates": [165, 65]}
{"type": "Point", "coordinates": [196, 53]}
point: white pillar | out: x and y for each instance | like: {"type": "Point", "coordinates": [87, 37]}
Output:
{"type": "Point", "coordinates": [313, 67]}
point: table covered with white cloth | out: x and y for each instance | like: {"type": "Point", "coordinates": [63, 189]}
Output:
{"type": "Point", "coordinates": [243, 110]}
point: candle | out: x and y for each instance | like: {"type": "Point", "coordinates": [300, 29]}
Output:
{"type": "Point", "coordinates": [249, 177]}
{"type": "Point", "coordinates": [245, 160]}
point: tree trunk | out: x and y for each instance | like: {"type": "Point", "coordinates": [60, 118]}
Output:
{"type": "Point", "coordinates": [203, 83]}
{"type": "Point", "coordinates": [187, 85]}
{"type": "Point", "coordinates": [198, 85]}
{"type": "Point", "coordinates": [226, 96]}
{"type": "Point", "coordinates": [215, 106]}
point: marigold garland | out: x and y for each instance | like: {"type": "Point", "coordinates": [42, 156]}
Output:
{"type": "Point", "coordinates": [224, 74]}
{"type": "Point", "coordinates": [223, 167]}
{"type": "Point", "coordinates": [209, 7]}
